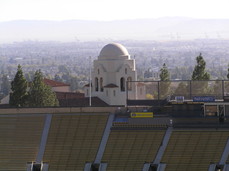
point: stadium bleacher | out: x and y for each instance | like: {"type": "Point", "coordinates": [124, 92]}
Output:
{"type": "Point", "coordinates": [73, 140]}
{"type": "Point", "coordinates": [130, 149]}
{"type": "Point", "coordinates": [19, 140]}
{"type": "Point", "coordinates": [194, 149]}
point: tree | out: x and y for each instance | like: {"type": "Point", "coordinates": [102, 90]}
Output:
{"type": "Point", "coordinates": [228, 73]}
{"type": "Point", "coordinates": [40, 94]}
{"type": "Point", "coordinates": [149, 96]}
{"type": "Point", "coordinates": [5, 86]}
{"type": "Point", "coordinates": [63, 69]}
{"type": "Point", "coordinates": [199, 72]}
{"type": "Point", "coordinates": [57, 78]}
{"type": "Point", "coordinates": [165, 82]}
{"type": "Point", "coordinates": [164, 73]}
{"type": "Point", "coordinates": [182, 89]}
{"type": "Point", "coordinates": [19, 94]}
{"type": "Point", "coordinates": [226, 83]}
{"type": "Point", "coordinates": [29, 76]}
{"type": "Point", "coordinates": [73, 83]}
{"type": "Point", "coordinates": [217, 88]}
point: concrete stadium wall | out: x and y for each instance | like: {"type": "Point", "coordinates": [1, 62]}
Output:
{"type": "Point", "coordinates": [58, 110]}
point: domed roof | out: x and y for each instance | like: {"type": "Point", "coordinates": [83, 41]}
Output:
{"type": "Point", "coordinates": [114, 51]}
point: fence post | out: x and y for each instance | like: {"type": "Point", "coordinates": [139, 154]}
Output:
{"type": "Point", "coordinates": [222, 88]}
{"type": "Point", "coordinates": [158, 90]}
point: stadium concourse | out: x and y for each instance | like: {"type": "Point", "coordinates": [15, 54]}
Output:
{"type": "Point", "coordinates": [163, 137]}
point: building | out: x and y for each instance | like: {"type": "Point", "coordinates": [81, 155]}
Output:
{"type": "Point", "coordinates": [113, 70]}
{"type": "Point", "coordinates": [57, 86]}
{"type": "Point", "coordinates": [61, 89]}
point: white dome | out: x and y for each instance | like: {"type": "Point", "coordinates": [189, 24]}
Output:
{"type": "Point", "coordinates": [114, 51]}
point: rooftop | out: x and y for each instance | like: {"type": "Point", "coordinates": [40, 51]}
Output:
{"type": "Point", "coordinates": [53, 83]}
{"type": "Point", "coordinates": [114, 51]}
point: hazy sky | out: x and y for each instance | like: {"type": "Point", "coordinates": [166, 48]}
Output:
{"type": "Point", "coordinates": [110, 9]}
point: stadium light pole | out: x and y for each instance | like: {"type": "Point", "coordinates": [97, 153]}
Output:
{"type": "Point", "coordinates": [89, 80]}
{"type": "Point", "coordinates": [135, 83]}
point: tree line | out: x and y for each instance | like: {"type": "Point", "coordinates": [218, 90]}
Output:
{"type": "Point", "coordinates": [31, 94]}
{"type": "Point", "coordinates": [35, 93]}
{"type": "Point", "coordinates": [199, 74]}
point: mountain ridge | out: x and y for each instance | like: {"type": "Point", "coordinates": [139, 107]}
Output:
{"type": "Point", "coordinates": [166, 28]}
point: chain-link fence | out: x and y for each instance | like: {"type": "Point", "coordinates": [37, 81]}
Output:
{"type": "Point", "coordinates": [159, 90]}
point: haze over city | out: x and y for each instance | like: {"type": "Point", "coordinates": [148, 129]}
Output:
{"type": "Point", "coordinates": [43, 34]}
{"type": "Point", "coordinates": [70, 20]}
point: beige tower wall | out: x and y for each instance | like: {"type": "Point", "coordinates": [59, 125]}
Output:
{"type": "Point", "coordinates": [113, 64]}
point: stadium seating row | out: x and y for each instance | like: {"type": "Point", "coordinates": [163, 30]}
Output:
{"type": "Point", "coordinates": [74, 139]}
{"type": "Point", "coordinates": [194, 150]}
{"type": "Point", "coordinates": [19, 140]}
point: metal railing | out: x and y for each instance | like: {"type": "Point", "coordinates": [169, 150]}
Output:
{"type": "Point", "coordinates": [160, 90]}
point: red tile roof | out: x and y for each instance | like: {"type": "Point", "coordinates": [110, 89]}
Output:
{"type": "Point", "coordinates": [82, 102]}
{"type": "Point", "coordinates": [69, 95]}
{"type": "Point", "coordinates": [53, 83]}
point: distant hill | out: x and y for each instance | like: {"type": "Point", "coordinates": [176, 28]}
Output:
{"type": "Point", "coordinates": [142, 29]}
